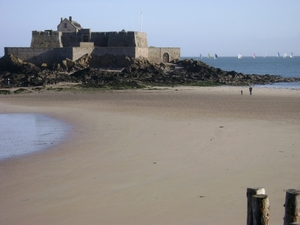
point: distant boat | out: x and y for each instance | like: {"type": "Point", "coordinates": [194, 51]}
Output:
{"type": "Point", "coordinates": [278, 55]}
{"type": "Point", "coordinates": [208, 55]}
{"type": "Point", "coordinates": [265, 55]}
{"type": "Point", "coordinates": [200, 56]}
{"type": "Point", "coordinates": [284, 55]}
{"type": "Point", "coordinates": [239, 56]}
{"type": "Point", "coordinates": [216, 56]}
{"type": "Point", "coordinates": [254, 56]}
{"type": "Point", "coordinates": [292, 55]}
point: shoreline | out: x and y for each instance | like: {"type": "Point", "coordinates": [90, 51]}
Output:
{"type": "Point", "coordinates": [72, 87]}
{"type": "Point", "coordinates": [27, 133]}
{"type": "Point", "coordinates": [154, 156]}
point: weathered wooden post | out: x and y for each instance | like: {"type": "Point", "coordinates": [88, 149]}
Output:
{"type": "Point", "coordinates": [250, 193]}
{"type": "Point", "coordinates": [292, 207]}
{"type": "Point", "coordinates": [260, 210]}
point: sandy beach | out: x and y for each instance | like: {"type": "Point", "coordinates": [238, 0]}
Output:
{"type": "Point", "coordinates": [182, 155]}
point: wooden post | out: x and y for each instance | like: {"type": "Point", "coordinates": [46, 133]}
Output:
{"type": "Point", "coordinates": [292, 207]}
{"type": "Point", "coordinates": [250, 193]}
{"type": "Point", "coordinates": [260, 208]}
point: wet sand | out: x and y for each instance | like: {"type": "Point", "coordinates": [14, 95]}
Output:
{"type": "Point", "coordinates": [163, 156]}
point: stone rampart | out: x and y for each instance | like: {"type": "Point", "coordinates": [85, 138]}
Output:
{"type": "Point", "coordinates": [54, 55]}
{"type": "Point", "coordinates": [86, 44]}
{"type": "Point", "coordinates": [100, 39]}
{"type": "Point", "coordinates": [78, 52]}
{"type": "Point", "coordinates": [46, 39]}
{"type": "Point", "coordinates": [53, 46]}
{"type": "Point", "coordinates": [141, 52]}
{"type": "Point", "coordinates": [117, 51]}
{"type": "Point", "coordinates": [119, 39]}
{"type": "Point", "coordinates": [40, 55]}
{"type": "Point", "coordinates": [141, 40]}
{"type": "Point", "coordinates": [72, 41]}
{"type": "Point", "coordinates": [163, 54]}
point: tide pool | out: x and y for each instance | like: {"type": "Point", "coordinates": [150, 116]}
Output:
{"type": "Point", "coordinates": [22, 134]}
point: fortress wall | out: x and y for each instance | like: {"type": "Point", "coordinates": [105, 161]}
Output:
{"type": "Point", "coordinates": [121, 39]}
{"type": "Point", "coordinates": [40, 55]}
{"type": "Point", "coordinates": [29, 54]}
{"type": "Point", "coordinates": [100, 39]}
{"type": "Point", "coordinates": [70, 39]}
{"type": "Point", "coordinates": [46, 39]}
{"type": "Point", "coordinates": [156, 54]}
{"type": "Point", "coordinates": [109, 39]}
{"type": "Point", "coordinates": [173, 52]}
{"type": "Point", "coordinates": [80, 51]}
{"type": "Point", "coordinates": [141, 52]}
{"type": "Point", "coordinates": [86, 44]}
{"type": "Point", "coordinates": [141, 40]}
{"type": "Point", "coordinates": [55, 55]}
{"type": "Point", "coordinates": [127, 51]}
{"type": "Point", "coordinates": [60, 54]}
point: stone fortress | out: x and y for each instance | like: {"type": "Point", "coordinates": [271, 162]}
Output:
{"type": "Point", "coordinates": [72, 41]}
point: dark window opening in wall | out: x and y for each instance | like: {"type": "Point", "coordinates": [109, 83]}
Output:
{"type": "Point", "coordinates": [65, 25]}
{"type": "Point", "coordinates": [85, 38]}
{"type": "Point", "coordinates": [166, 57]}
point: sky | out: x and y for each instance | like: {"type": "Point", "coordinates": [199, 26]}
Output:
{"type": "Point", "coordinates": [198, 27]}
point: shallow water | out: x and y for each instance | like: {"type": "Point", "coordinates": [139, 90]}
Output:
{"type": "Point", "coordinates": [285, 67]}
{"type": "Point", "coordinates": [27, 133]}
{"type": "Point", "coordinates": [289, 85]}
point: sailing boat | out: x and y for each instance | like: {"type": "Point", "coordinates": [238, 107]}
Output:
{"type": "Point", "coordinates": [284, 55]}
{"type": "Point", "coordinates": [265, 55]}
{"type": "Point", "coordinates": [208, 55]}
{"type": "Point", "coordinates": [200, 56]}
{"type": "Point", "coordinates": [216, 56]}
{"type": "Point", "coordinates": [239, 56]}
{"type": "Point", "coordinates": [278, 55]}
{"type": "Point", "coordinates": [292, 55]}
{"type": "Point", "coordinates": [254, 56]}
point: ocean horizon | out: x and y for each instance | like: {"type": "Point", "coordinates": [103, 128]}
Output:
{"type": "Point", "coordinates": [272, 65]}
{"type": "Point", "coordinates": [285, 67]}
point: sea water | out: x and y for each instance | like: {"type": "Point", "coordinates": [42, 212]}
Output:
{"type": "Point", "coordinates": [27, 133]}
{"type": "Point", "coordinates": [285, 67]}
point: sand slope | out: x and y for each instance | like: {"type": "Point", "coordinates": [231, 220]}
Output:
{"type": "Point", "coordinates": [176, 156]}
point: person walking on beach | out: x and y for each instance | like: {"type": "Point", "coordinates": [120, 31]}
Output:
{"type": "Point", "coordinates": [250, 90]}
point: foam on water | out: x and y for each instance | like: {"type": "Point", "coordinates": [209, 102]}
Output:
{"type": "Point", "coordinates": [289, 85]}
{"type": "Point", "coordinates": [27, 133]}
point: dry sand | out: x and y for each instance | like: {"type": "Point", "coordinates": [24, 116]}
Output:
{"type": "Point", "coordinates": [163, 156]}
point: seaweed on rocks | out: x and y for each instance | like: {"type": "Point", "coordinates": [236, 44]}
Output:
{"type": "Point", "coordinates": [116, 72]}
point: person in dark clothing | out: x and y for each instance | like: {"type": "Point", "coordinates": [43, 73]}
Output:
{"type": "Point", "coordinates": [250, 90]}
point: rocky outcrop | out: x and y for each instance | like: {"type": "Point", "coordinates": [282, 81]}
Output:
{"type": "Point", "coordinates": [14, 64]}
{"type": "Point", "coordinates": [121, 71]}
{"type": "Point", "coordinates": [197, 71]}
